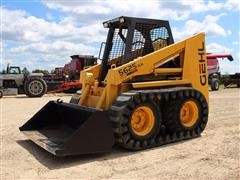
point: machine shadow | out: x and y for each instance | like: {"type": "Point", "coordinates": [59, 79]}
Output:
{"type": "Point", "coordinates": [53, 162]}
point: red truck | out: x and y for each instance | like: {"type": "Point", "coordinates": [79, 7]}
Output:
{"type": "Point", "coordinates": [214, 75]}
{"type": "Point", "coordinates": [78, 63]}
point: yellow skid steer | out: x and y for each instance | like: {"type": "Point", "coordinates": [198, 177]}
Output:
{"type": "Point", "coordinates": [147, 91]}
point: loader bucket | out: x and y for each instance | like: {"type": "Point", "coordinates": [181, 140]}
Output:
{"type": "Point", "coordinates": [67, 129]}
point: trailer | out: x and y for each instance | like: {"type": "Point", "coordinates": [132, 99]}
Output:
{"type": "Point", "coordinates": [231, 79]}
{"type": "Point", "coordinates": [66, 79]}
{"type": "Point", "coordinates": [65, 86]}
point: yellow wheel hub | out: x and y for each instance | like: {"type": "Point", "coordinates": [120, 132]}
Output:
{"type": "Point", "coordinates": [189, 113]}
{"type": "Point", "coordinates": [142, 120]}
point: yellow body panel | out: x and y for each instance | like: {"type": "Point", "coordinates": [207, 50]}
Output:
{"type": "Point", "coordinates": [167, 70]}
{"type": "Point", "coordinates": [161, 83]}
{"type": "Point", "coordinates": [192, 72]}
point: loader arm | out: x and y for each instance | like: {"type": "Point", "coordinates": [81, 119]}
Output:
{"type": "Point", "coordinates": [193, 64]}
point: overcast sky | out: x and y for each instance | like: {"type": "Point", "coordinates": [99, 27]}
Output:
{"type": "Point", "coordinates": [43, 34]}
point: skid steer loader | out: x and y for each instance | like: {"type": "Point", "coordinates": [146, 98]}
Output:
{"type": "Point", "coordinates": [148, 91]}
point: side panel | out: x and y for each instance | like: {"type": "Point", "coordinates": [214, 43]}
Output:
{"type": "Point", "coordinates": [195, 64]}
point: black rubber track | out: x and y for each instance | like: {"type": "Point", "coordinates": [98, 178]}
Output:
{"type": "Point", "coordinates": [121, 111]}
{"type": "Point", "coordinates": [171, 110]}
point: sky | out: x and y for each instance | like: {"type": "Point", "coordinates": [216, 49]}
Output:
{"type": "Point", "coordinates": [43, 34]}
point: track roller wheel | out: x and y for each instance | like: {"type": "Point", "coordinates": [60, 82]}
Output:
{"type": "Point", "coordinates": [189, 113]}
{"type": "Point", "coordinates": [142, 121]}
{"type": "Point", "coordinates": [186, 112]}
{"type": "Point", "coordinates": [138, 123]}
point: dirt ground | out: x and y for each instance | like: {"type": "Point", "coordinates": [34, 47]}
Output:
{"type": "Point", "coordinates": [214, 155]}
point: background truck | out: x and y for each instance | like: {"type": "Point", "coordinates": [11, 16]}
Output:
{"type": "Point", "coordinates": [14, 81]}
{"type": "Point", "coordinates": [66, 79]}
{"type": "Point", "coordinates": [214, 75]}
{"type": "Point", "coordinates": [78, 63]}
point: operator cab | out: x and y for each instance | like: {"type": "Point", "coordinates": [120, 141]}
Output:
{"type": "Point", "coordinates": [129, 38]}
{"type": "Point", "coordinates": [13, 70]}
{"type": "Point", "coordinates": [85, 60]}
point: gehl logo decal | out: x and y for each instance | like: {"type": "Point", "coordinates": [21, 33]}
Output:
{"type": "Point", "coordinates": [202, 65]}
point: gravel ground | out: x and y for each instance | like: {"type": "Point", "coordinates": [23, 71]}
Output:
{"type": "Point", "coordinates": [214, 155]}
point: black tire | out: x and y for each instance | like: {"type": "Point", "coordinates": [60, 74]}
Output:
{"type": "Point", "coordinates": [171, 111]}
{"type": "Point", "coordinates": [35, 87]}
{"type": "Point", "coordinates": [123, 132]}
{"type": "Point", "coordinates": [215, 84]}
{"type": "Point", "coordinates": [1, 93]}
